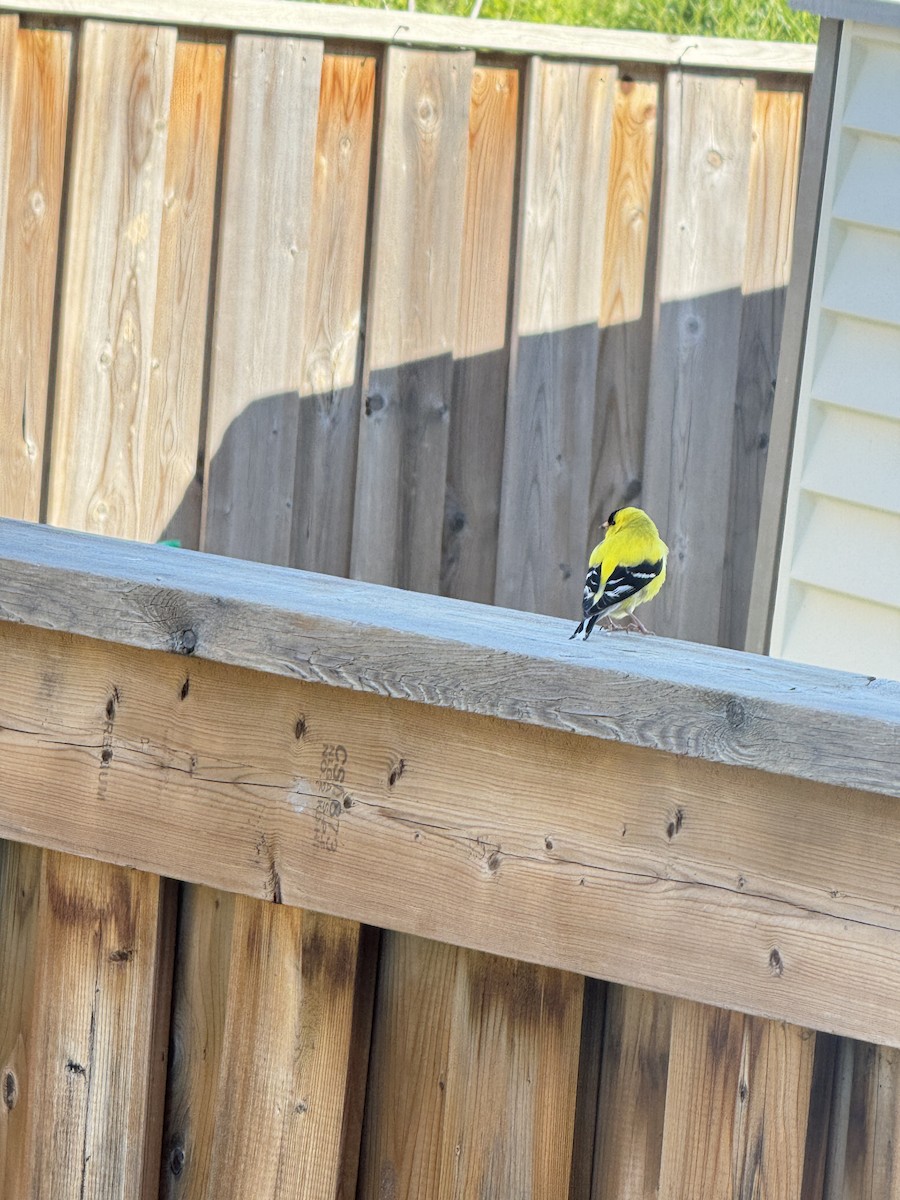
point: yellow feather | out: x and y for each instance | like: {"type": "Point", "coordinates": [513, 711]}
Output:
{"type": "Point", "coordinates": [630, 540]}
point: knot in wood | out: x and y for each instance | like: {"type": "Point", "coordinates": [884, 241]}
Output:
{"type": "Point", "coordinates": [184, 641]}
{"type": "Point", "coordinates": [10, 1090]}
{"type": "Point", "coordinates": [735, 714]}
{"type": "Point", "coordinates": [176, 1159]}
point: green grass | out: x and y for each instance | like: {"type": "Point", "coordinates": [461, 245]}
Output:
{"type": "Point", "coordinates": [772, 20]}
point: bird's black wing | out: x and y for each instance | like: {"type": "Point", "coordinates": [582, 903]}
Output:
{"type": "Point", "coordinates": [623, 583]}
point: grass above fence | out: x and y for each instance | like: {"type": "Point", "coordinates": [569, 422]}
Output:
{"type": "Point", "coordinates": [775, 22]}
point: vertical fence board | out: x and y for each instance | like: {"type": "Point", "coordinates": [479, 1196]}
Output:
{"type": "Point", "coordinates": [512, 1076]}
{"type": "Point", "coordinates": [98, 1033]}
{"type": "Point", "coordinates": [865, 1124]}
{"type": "Point", "coordinates": [405, 1101]}
{"type": "Point", "coordinates": [291, 999]}
{"type": "Point", "coordinates": [330, 379]}
{"type": "Point", "coordinates": [199, 1001]}
{"type": "Point", "coordinates": [9, 26]}
{"type": "Point", "coordinates": [103, 933]}
{"type": "Point", "coordinates": [171, 488]}
{"type": "Point", "coordinates": [550, 417]}
{"type": "Point", "coordinates": [626, 305]}
{"type": "Point", "coordinates": [633, 1079]}
{"type": "Point", "coordinates": [28, 265]}
{"type": "Point", "coordinates": [778, 1088]}
{"type": "Point", "coordinates": [260, 295]}
{"type": "Point", "coordinates": [416, 244]}
{"type": "Point", "coordinates": [702, 1102]}
{"type": "Point", "coordinates": [291, 1056]}
{"type": "Point", "coordinates": [690, 416]}
{"type": "Point", "coordinates": [737, 1105]}
{"type": "Point", "coordinates": [20, 872]}
{"type": "Point", "coordinates": [774, 170]}
{"type": "Point", "coordinates": [109, 278]}
{"type": "Point", "coordinates": [478, 413]}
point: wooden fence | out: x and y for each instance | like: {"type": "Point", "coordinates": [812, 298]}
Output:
{"type": "Point", "coordinates": [319, 288]}
{"type": "Point", "coordinates": [419, 315]}
{"type": "Point", "coordinates": [446, 770]}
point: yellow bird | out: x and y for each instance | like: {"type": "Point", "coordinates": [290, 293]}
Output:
{"type": "Point", "coordinates": [625, 569]}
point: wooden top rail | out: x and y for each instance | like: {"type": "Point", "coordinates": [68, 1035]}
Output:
{"type": "Point", "coordinates": [309, 781]}
{"type": "Point", "coordinates": [422, 29]}
{"type": "Point", "coordinates": [701, 701]}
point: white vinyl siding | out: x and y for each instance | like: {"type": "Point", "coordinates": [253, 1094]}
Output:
{"type": "Point", "coordinates": [838, 592]}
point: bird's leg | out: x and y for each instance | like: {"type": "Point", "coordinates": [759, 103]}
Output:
{"type": "Point", "coordinates": [638, 625]}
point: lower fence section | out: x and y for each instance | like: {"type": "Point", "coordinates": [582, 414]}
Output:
{"type": "Point", "coordinates": [308, 1056]}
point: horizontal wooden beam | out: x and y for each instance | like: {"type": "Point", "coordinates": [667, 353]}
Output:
{"type": "Point", "coordinates": [703, 702]}
{"type": "Point", "coordinates": [722, 884]}
{"type": "Point", "coordinates": [424, 29]}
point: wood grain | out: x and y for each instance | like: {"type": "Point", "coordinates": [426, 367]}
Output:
{"type": "Point", "coordinates": [285, 1057]}
{"type": "Point", "coordinates": [200, 992]}
{"type": "Point", "coordinates": [412, 308]}
{"type": "Point", "coordinates": [633, 1083]}
{"type": "Point", "coordinates": [512, 1075]}
{"type": "Point", "coordinates": [690, 415]}
{"type": "Point", "coordinates": [626, 300]}
{"type": "Point", "coordinates": [473, 1075]}
{"type": "Point", "coordinates": [550, 413]}
{"type": "Point", "coordinates": [481, 350]}
{"type": "Point", "coordinates": [737, 1104]}
{"type": "Point", "coordinates": [866, 1123]}
{"type": "Point", "coordinates": [20, 873]}
{"type": "Point", "coordinates": [280, 1075]}
{"type": "Point", "coordinates": [330, 369]}
{"type": "Point", "coordinates": [170, 500]}
{"type": "Point", "coordinates": [701, 702]}
{"type": "Point", "coordinates": [516, 37]}
{"type": "Point", "coordinates": [103, 935]}
{"type": "Point", "coordinates": [34, 178]}
{"type": "Point", "coordinates": [261, 283]}
{"type": "Point", "coordinates": [809, 195]}
{"type": "Point", "coordinates": [406, 1099]}
{"type": "Point", "coordinates": [774, 166]}
{"type": "Point", "coordinates": [9, 27]}
{"type": "Point", "coordinates": [109, 284]}
{"type": "Point", "coordinates": [705, 877]}
{"type": "Point", "coordinates": [99, 1032]}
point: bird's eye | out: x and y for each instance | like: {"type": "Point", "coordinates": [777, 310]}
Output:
{"type": "Point", "coordinates": [611, 519]}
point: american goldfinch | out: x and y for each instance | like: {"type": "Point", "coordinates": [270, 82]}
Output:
{"type": "Point", "coordinates": [625, 569]}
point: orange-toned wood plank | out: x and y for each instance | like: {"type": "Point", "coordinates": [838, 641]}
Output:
{"type": "Point", "coordinates": [481, 347]}
{"type": "Point", "coordinates": [330, 384]}
{"type": "Point", "coordinates": [34, 183]}
{"type": "Point", "coordinates": [626, 300]}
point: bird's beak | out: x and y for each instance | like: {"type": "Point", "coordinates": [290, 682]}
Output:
{"type": "Point", "coordinates": [605, 525]}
